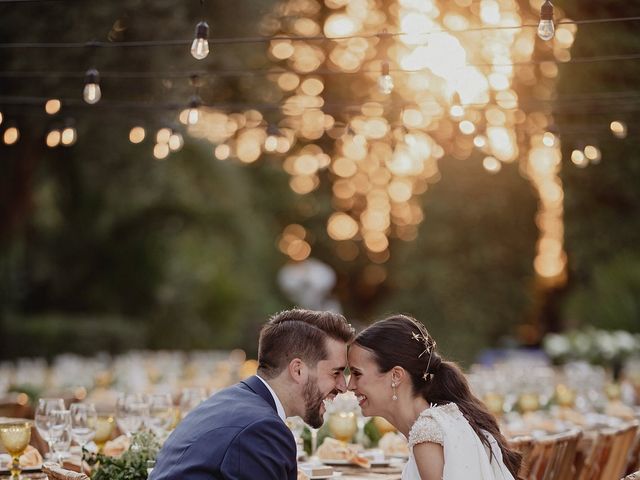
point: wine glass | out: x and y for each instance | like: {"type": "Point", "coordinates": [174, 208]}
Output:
{"type": "Point", "coordinates": [84, 421]}
{"type": "Point", "coordinates": [191, 398]}
{"type": "Point", "coordinates": [15, 436]}
{"type": "Point", "coordinates": [160, 414]}
{"type": "Point", "coordinates": [62, 443]}
{"type": "Point", "coordinates": [104, 429]}
{"type": "Point", "coordinates": [131, 411]}
{"type": "Point", "coordinates": [43, 410]}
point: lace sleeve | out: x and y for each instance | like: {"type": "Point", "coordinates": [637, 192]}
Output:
{"type": "Point", "coordinates": [426, 429]}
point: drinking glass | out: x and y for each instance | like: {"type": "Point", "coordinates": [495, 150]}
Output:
{"type": "Point", "coordinates": [84, 421]}
{"type": "Point", "coordinates": [191, 398]}
{"type": "Point", "coordinates": [15, 436]}
{"type": "Point", "coordinates": [343, 425]}
{"type": "Point", "coordinates": [131, 411]}
{"type": "Point", "coordinates": [42, 416]}
{"type": "Point", "coordinates": [62, 444]}
{"type": "Point", "coordinates": [104, 429]}
{"type": "Point", "coordinates": [160, 414]}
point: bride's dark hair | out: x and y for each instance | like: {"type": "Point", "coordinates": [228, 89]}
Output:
{"type": "Point", "coordinates": [401, 340]}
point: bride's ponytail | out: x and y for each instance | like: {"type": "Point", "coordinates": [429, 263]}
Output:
{"type": "Point", "coordinates": [403, 341]}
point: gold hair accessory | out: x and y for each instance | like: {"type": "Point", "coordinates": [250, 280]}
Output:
{"type": "Point", "coordinates": [429, 347]}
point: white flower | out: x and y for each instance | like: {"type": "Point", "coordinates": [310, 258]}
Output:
{"type": "Point", "coordinates": [556, 345]}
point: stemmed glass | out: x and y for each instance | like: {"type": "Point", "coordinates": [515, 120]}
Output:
{"type": "Point", "coordinates": [60, 432]}
{"type": "Point", "coordinates": [104, 428]}
{"type": "Point", "coordinates": [131, 411]}
{"type": "Point", "coordinates": [160, 414]}
{"type": "Point", "coordinates": [84, 421]}
{"type": "Point", "coordinates": [42, 417]}
{"type": "Point", "coordinates": [15, 436]}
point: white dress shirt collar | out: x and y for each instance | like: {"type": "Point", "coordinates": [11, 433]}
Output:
{"type": "Point", "coordinates": [279, 406]}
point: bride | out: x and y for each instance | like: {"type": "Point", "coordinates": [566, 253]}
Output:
{"type": "Point", "coordinates": [396, 373]}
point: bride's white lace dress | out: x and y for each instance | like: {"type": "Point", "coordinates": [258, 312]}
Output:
{"type": "Point", "coordinates": [465, 456]}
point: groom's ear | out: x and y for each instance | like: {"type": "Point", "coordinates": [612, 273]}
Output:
{"type": "Point", "coordinates": [298, 370]}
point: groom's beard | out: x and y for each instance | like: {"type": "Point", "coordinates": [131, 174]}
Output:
{"type": "Point", "coordinates": [313, 399]}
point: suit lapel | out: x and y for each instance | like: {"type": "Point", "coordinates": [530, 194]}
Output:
{"type": "Point", "coordinates": [255, 384]}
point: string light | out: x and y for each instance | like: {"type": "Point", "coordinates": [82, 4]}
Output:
{"type": "Point", "coordinates": [11, 135]}
{"type": "Point", "coordinates": [619, 129]}
{"type": "Point", "coordinates": [578, 158]}
{"type": "Point", "coordinates": [193, 113]}
{"type": "Point", "coordinates": [68, 136]}
{"type": "Point", "coordinates": [137, 134]}
{"type": "Point", "coordinates": [200, 45]}
{"type": "Point", "coordinates": [175, 141]}
{"type": "Point", "coordinates": [385, 81]}
{"type": "Point", "coordinates": [546, 29]}
{"type": "Point", "coordinates": [491, 164]}
{"type": "Point", "coordinates": [52, 106]}
{"type": "Point", "coordinates": [53, 138]}
{"type": "Point", "coordinates": [303, 38]}
{"type": "Point", "coordinates": [593, 154]}
{"type": "Point", "coordinates": [1, 118]}
{"type": "Point", "coordinates": [92, 92]}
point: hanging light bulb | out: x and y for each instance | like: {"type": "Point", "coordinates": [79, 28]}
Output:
{"type": "Point", "coordinates": [193, 113]}
{"type": "Point", "coordinates": [546, 30]}
{"type": "Point", "coordinates": [92, 91]}
{"type": "Point", "coordinates": [385, 81]}
{"type": "Point", "coordinates": [200, 45]}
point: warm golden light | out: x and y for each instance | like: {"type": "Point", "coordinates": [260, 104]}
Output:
{"type": "Point", "coordinates": [53, 138]}
{"type": "Point", "coordinates": [342, 227]}
{"type": "Point", "coordinates": [175, 142]}
{"type": "Point", "coordinates": [161, 151]}
{"type": "Point", "coordinates": [163, 135]}
{"type": "Point", "coordinates": [136, 135]}
{"type": "Point", "coordinates": [68, 136]}
{"type": "Point", "coordinates": [579, 159]}
{"type": "Point", "coordinates": [592, 153]}
{"type": "Point", "coordinates": [619, 129]}
{"type": "Point", "coordinates": [52, 106]}
{"type": "Point", "coordinates": [222, 151]}
{"type": "Point", "coordinates": [491, 164]}
{"type": "Point", "coordinates": [11, 135]}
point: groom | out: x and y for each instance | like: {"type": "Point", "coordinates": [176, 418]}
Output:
{"type": "Point", "coordinates": [240, 432]}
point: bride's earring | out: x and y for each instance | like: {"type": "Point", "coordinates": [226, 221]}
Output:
{"type": "Point", "coordinates": [395, 395]}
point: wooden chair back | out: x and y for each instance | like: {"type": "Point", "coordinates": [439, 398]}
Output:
{"type": "Point", "coordinates": [550, 457]}
{"type": "Point", "coordinates": [608, 456]}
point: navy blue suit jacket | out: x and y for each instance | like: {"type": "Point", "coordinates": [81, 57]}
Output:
{"type": "Point", "coordinates": [234, 435]}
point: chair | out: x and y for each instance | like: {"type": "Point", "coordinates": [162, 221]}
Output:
{"type": "Point", "coordinates": [550, 457]}
{"type": "Point", "coordinates": [608, 456]}
{"type": "Point", "coordinates": [56, 472]}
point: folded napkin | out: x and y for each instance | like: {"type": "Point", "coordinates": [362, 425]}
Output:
{"type": "Point", "coordinates": [56, 472]}
{"type": "Point", "coordinates": [30, 458]}
{"type": "Point", "coordinates": [116, 447]}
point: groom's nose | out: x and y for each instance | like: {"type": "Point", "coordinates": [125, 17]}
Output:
{"type": "Point", "coordinates": [341, 384]}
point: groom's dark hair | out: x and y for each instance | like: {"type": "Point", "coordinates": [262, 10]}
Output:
{"type": "Point", "coordinates": [298, 333]}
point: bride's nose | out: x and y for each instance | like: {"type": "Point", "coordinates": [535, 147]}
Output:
{"type": "Point", "coordinates": [351, 383]}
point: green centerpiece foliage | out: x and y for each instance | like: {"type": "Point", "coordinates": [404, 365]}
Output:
{"type": "Point", "coordinates": [131, 465]}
